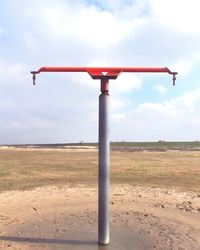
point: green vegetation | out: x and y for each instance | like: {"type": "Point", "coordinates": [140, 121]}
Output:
{"type": "Point", "coordinates": [160, 144]}
{"type": "Point", "coordinates": [184, 145]}
{"type": "Point", "coordinates": [153, 145]}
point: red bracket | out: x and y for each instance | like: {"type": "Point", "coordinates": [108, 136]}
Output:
{"type": "Point", "coordinates": [98, 74]}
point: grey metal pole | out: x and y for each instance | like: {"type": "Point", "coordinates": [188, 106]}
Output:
{"type": "Point", "coordinates": [104, 163]}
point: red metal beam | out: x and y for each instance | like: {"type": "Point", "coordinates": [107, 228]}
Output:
{"type": "Point", "coordinates": [105, 72]}
{"type": "Point", "coordinates": [105, 69]}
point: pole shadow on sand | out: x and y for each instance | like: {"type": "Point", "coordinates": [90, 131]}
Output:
{"type": "Point", "coordinates": [122, 239]}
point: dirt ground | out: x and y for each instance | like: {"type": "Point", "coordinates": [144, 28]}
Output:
{"type": "Point", "coordinates": [41, 218]}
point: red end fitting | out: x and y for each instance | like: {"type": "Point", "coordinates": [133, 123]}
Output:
{"type": "Point", "coordinates": [34, 79]}
{"type": "Point", "coordinates": [174, 78]}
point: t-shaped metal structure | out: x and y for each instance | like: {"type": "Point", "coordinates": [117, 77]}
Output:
{"type": "Point", "coordinates": [104, 74]}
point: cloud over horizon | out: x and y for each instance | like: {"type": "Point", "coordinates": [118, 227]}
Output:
{"type": "Point", "coordinates": [63, 107]}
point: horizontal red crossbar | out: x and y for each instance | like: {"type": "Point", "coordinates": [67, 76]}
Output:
{"type": "Point", "coordinates": [105, 72]}
{"type": "Point", "coordinates": [105, 69]}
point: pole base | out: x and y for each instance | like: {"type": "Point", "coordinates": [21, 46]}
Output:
{"type": "Point", "coordinates": [103, 243]}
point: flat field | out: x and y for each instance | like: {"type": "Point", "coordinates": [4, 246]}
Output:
{"type": "Point", "coordinates": [49, 197]}
{"type": "Point", "coordinates": [26, 168]}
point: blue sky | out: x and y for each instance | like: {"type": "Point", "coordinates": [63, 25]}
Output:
{"type": "Point", "coordinates": [64, 107]}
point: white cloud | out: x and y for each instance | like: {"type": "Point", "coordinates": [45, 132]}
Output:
{"type": "Point", "coordinates": [180, 15]}
{"type": "Point", "coordinates": [114, 33]}
{"type": "Point", "coordinates": [158, 110]}
{"type": "Point", "coordinates": [12, 72]}
{"type": "Point", "coordinates": [125, 83]}
{"type": "Point", "coordinates": [183, 106]}
{"type": "Point", "coordinates": [176, 119]}
{"type": "Point", "coordinates": [161, 89]}
{"type": "Point", "coordinates": [185, 65]}
{"type": "Point", "coordinates": [190, 101]}
{"type": "Point", "coordinates": [99, 28]}
{"type": "Point", "coordinates": [117, 104]}
{"type": "Point", "coordinates": [118, 117]}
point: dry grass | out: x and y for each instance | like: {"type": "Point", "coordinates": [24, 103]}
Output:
{"type": "Point", "coordinates": [179, 169]}
{"type": "Point", "coordinates": [26, 169]}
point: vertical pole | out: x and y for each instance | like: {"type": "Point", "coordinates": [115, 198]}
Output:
{"type": "Point", "coordinates": [104, 163]}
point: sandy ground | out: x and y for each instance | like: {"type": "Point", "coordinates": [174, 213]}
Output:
{"type": "Point", "coordinates": [54, 217]}
{"type": "Point", "coordinates": [49, 149]}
